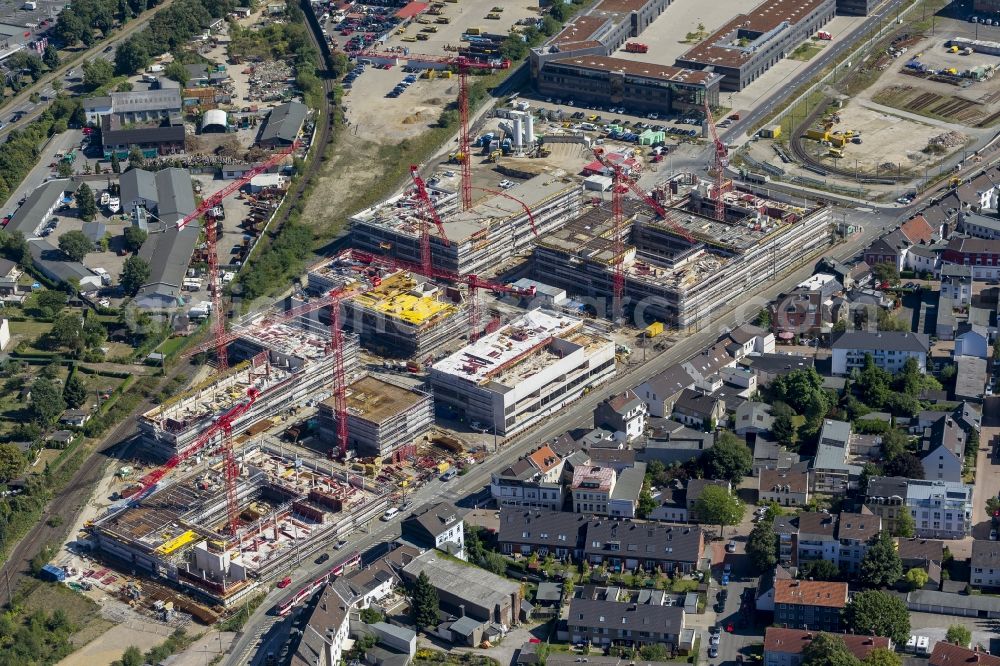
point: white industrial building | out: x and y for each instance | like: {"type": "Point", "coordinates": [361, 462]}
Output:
{"type": "Point", "coordinates": [512, 378]}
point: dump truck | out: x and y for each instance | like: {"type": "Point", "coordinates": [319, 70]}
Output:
{"type": "Point", "coordinates": [836, 152]}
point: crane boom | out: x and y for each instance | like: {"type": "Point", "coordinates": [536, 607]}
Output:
{"type": "Point", "coordinates": [721, 162]}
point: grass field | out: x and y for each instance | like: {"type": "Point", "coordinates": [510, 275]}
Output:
{"type": "Point", "coordinates": [806, 51]}
{"type": "Point", "coordinates": [29, 330]}
{"type": "Point", "coordinates": [170, 346]}
{"type": "Point", "coordinates": [82, 611]}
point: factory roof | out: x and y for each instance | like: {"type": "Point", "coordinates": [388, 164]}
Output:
{"type": "Point", "coordinates": [645, 70]}
{"type": "Point", "coordinates": [284, 122]}
{"type": "Point", "coordinates": [168, 255]}
{"type": "Point", "coordinates": [113, 132]}
{"type": "Point", "coordinates": [475, 585]}
{"type": "Point", "coordinates": [509, 346]}
{"type": "Point", "coordinates": [36, 207]}
{"type": "Point", "coordinates": [52, 261]}
{"type": "Point", "coordinates": [377, 401]}
{"type": "Point", "coordinates": [400, 296]}
{"type": "Point", "coordinates": [146, 100]}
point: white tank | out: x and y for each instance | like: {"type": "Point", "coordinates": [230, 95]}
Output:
{"type": "Point", "coordinates": [529, 131]}
{"type": "Point", "coordinates": [518, 132]}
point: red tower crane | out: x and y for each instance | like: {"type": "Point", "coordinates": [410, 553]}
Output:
{"type": "Point", "coordinates": [720, 164]}
{"type": "Point", "coordinates": [231, 471]}
{"type": "Point", "coordinates": [464, 65]}
{"type": "Point", "coordinates": [211, 235]}
{"type": "Point", "coordinates": [428, 214]}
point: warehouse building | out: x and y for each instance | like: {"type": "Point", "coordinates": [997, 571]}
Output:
{"type": "Point", "coordinates": [38, 207]}
{"type": "Point", "coordinates": [382, 417]}
{"type": "Point", "coordinates": [511, 379]}
{"type": "Point", "coordinates": [496, 228]}
{"type": "Point", "coordinates": [748, 45]}
{"type": "Point", "coordinates": [288, 364]}
{"type": "Point", "coordinates": [283, 125]}
{"type": "Point", "coordinates": [682, 281]}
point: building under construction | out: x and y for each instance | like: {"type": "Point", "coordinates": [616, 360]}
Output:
{"type": "Point", "coordinates": [496, 228]}
{"type": "Point", "coordinates": [287, 363]}
{"type": "Point", "coordinates": [288, 509]}
{"type": "Point", "coordinates": [683, 281]}
{"type": "Point", "coordinates": [381, 417]}
{"type": "Point", "coordinates": [397, 313]}
{"type": "Point", "coordinates": [516, 376]}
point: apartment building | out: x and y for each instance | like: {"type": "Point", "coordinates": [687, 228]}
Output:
{"type": "Point", "coordinates": [940, 509]}
{"type": "Point", "coordinates": [610, 622]}
{"type": "Point", "coordinates": [889, 350]}
{"type": "Point", "coordinates": [985, 564]}
{"type": "Point", "coordinates": [592, 489]}
{"type": "Point", "coordinates": [808, 604]}
{"type": "Point", "coordinates": [786, 647]}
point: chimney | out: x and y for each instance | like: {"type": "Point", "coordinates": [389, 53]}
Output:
{"type": "Point", "coordinates": [461, 608]}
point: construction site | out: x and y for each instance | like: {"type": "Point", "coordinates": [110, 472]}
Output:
{"type": "Point", "coordinates": [476, 239]}
{"type": "Point", "coordinates": [526, 370]}
{"type": "Point", "coordinates": [287, 508]}
{"type": "Point", "coordinates": [684, 264]}
{"type": "Point", "coordinates": [288, 364]}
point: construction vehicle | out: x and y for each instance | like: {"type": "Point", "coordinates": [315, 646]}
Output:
{"type": "Point", "coordinates": [496, 155]}
{"type": "Point", "coordinates": [410, 38]}
{"type": "Point", "coordinates": [954, 182]}
{"type": "Point", "coordinates": [953, 49]}
{"type": "Point", "coordinates": [836, 152]}
{"type": "Point", "coordinates": [493, 16]}
{"type": "Point", "coordinates": [654, 329]}
{"type": "Point", "coordinates": [422, 36]}
{"type": "Point", "coordinates": [430, 28]}
{"type": "Point", "coordinates": [456, 157]}
{"type": "Point", "coordinates": [636, 47]}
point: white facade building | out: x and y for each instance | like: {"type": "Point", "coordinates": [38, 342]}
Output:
{"type": "Point", "coordinates": [527, 370]}
{"type": "Point", "coordinates": [888, 349]}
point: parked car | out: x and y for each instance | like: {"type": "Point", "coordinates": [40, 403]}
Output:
{"type": "Point", "coordinates": [731, 547]}
{"type": "Point", "coordinates": [713, 651]}
{"type": "Point", "coordinates": [322, 558]}
{"type": "Point", "coordinates": [389, 514]}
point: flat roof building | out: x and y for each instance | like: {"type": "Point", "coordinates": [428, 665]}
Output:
{"type": "Point", "coordinates": [38, 207]}
{"type": "Point", "coordinates": [382, 417]}
{"type": "Point", "coordinates": [523, 372]}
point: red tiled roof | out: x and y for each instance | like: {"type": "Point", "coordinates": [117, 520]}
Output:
{"type": "Point", "coordinates": [544, 458]}
{"type": "Point", "coordinates": [811, 593]}
{"type": "Point", "coordinates": [917, 229]}
{"type": "Point", "coordinates": [794, 641]}
{"type": "Point", "coordinates": [948, 654]}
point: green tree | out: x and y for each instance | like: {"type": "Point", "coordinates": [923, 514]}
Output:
{"type": "Point", "coordinates": [86, 203]}
{"type": "Point", "coordinates": [959, 634]}
{"type": "Point", "coordinates": [116, 165]}
{"type": "Point", "coordinates": [868, 470]}
{"type": "Point", "coordinates": [135, 273]}
{"type": "Point", "coordinates": [880, 613]}
{"type": "Point", "coordinates": [718, 506]}
{"type": "Point", "coordinates": [886, 272]}
{"type": "Point", "coordinates": [46, 402]}
{"type": "Point", "coordinates": [177, 71]}
{"type": "Point", "coordinates": [881, 656]}
{"type": "Point", "coordinates": [74, 392]}
{"type": "Point", "coordinates": [646, 502]}
{"type": "Point", "coordinates": [134, 238]}
{"type": "Point", "coordinates": [873, 383]}
{"type": "Point", "coordinates": [762, 546]}
{"type": "Point", "coordinates": [15, 245]}
{"type": "Point", "coordinates": [426, 605]}
{"type": "Point", "coordinates": [906, 465]}
{"type": "Point", "coordinates": [12, 462]}
{"type": "Point", "coordinates": [50, 301]}
{"type": "Point", "coordinates": [131, 56]}
{"type": "Point", "coordinates": [135, 157]}
{"type": "Point", "coordinates": [371, 615]}
{"type": "Point", "coordinates": [894, 444]}
{"type": "Point", "coordinates": [828, 650]}
{"type": "Point", "coordinates": [730, 459]}
{"type": "Point", "coordinates": [916, 578]}
{"type": "Point", "coordinates": [993, 508]}
{"type": "Point", "coordinates": [802, 390]}
{"type": "Point", "coordinates": [50, 57]}
{"type": "Point", "coordinates": [881, 566]}
{"type": "Point", "coordinates": [96, 73]}
{"type": "Point", "coordinates": [75, 245]}
{"type": "Point", "coordinates": [132, 657]}
{"type": "Point", "coordinates": [819, 570]}
{"type": "Point", "coordinates": [783, 429]}
{"type": "Point", "coordinates": [67, 331]}
{"type": "Point", "coordinates": [905, 526]}
{"type": "Point", "coordinates": [64, 169]}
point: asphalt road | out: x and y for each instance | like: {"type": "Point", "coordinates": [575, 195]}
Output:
{"type": "Point", "coordinates": [262, 627]}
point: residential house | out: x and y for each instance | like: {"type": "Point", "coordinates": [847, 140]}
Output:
{"type": "Point", "coordinates": [808, 604]}
{"type": "Point", "coordinates": [973, 340]}
{"type": "Point", "coordinates": [889, 350]}
{"type": "Point", "coordinates": [624, 413]}
{"type": "Point", "coordinates": [831, 470]}
{"type": "Point", "coordinates": [627, 545]}
{"type": "Point", "coordinates": [366, 587]}
{"type": "Point", "coordinates": [661, 391]}
{"type": "Point", "coordinates": [327, 629]}
{"type": "Point", "coordinates": [673, 442]}
{"type": "Point", "coordinates": [886, 498]}
{"type": "Point", "coordinates": [984, 566]}
{"type": "Point", "coordinates": [769, 367]}
{"type": "Point", "coordinates": [944, 450]}
{"type": "Point", "coordinates": [807, 312]}
{"type": "Point", "coordinates": [946, 324]}
{"type": "Point", "coordinates": [695, 487]}
{"type": "Point", "coordinates": [849, 275]}
{"type": "Point", "coordinates": [608, 621]}
{"type": "Point", "coordinates": [981, 254]}
{"type": "Point", "coordinates": [624, 501]}
{"type": "Point", "coordinates": [970, 377]}
{"type": "Point", "coordinates": [591, 489]}
{"type": "Point", "coordinates": [949, 654]}
{"type": "Point", "coordinates": [436, 526]}
{"type": "Point", "coordinates": [787, 529]}
{"type": "Point", "coordinates": [855, 532]}
{"type": "Point", "coordinates": [698, 409]}
{"type": "Point", "coordinates": [481, 594]}
{"type": "Point", "coordinates": [769, 454]}
{"type": "Point", "coordinates": [751, 340]}
{"type": "Point", "coordinates": [671, 506]}
{"type": "Point", "coordinates": [75, 417]}
{"type": "Point", "coordinates": [785, 647]}
{"type": "Point", "coordinates": [817, 538]}
{"type": "Point", "coordinates": [893, 246]}
{"type": "Point", "coordinates": [956, 283]}
{"type": "Point", "coordinates": [921, 553]}
{"type": "Point", "coordinates": [940, 509]}
{"type": "Point", "coordinates": [786, 487]}
{"type": "Point", "coordinates": [10, 273]}
{"type": "Point", "coordinates": [753, 418]}
{"type": "Point", "coordinates": [543, 532]}
{"type": "Point", "coordinates": [979, 226]}
{"type": "Point", "coordinates": [520, 484]}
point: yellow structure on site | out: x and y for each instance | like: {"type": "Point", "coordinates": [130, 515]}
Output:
{"type": "Point", "coordinates": [176, 543]}
{"type": "Point", "coordinates": [399, 297]}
